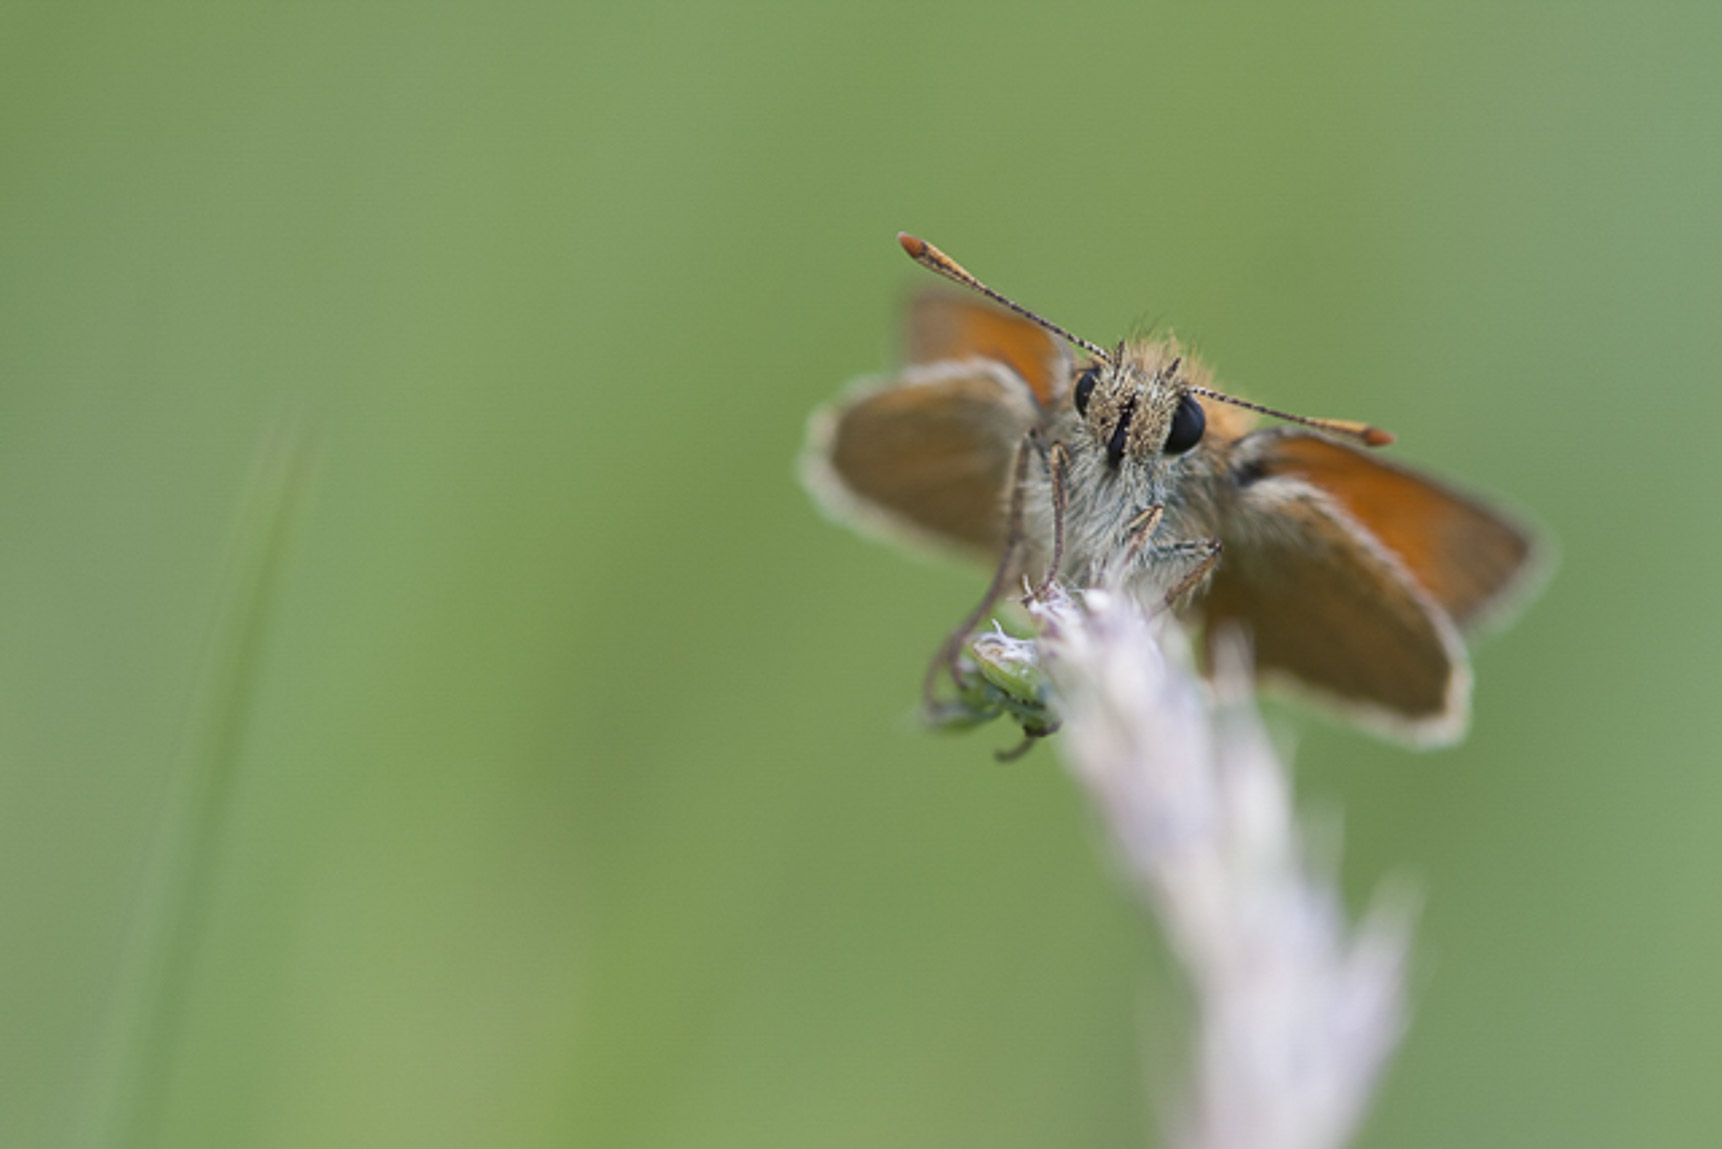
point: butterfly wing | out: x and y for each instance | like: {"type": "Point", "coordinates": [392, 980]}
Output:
{"type": "Point", "coordinates": [943, 325]}
{"type": "Point", "coordinates": [1468, 556]}
{"type": "Point", "coordinates": [1330, 611]}
{"type": "Point", "coordinates": [926, 456]}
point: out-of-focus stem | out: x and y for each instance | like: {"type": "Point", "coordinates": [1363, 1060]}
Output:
{"type": "Point", "coordinates": [1296, 1011]}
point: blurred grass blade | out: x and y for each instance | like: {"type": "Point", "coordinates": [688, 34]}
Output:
{"type": "Point", "coordinates": [134, 1060]}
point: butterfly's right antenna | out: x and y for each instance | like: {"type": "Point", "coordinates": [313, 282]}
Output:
{"type": "Point", "coordinates": [1348, 428]}
{"type": "Point", "coordinates": [935, 260]}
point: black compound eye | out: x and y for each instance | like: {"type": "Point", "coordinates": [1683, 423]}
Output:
{"type": "Point", "coordinates": [1085, 384]}
{"type": "Point", "coordinates": [1188, 423]}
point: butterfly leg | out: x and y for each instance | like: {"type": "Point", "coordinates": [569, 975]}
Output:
{"type": "Point", "coordinates": [1206, 552]}
{"type": "Point", "coordinates": [1140, 531]}
{"type": "Point", "coordinates": [1058, 470]}
{"type": "Point", "coordinates": [1029, 738]}
{"type": "Point", "coordinates": [949, 653]}
{"type": "Point", "coordinates": [1139, 548]}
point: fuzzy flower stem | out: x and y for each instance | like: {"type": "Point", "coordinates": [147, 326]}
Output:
{"type": "Point", "coordinates": [1296, 1012]}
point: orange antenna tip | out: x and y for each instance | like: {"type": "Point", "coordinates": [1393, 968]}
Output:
{"type": "Point", "coordinates": [1362, 432]}
{"type": "Point", "coordinates": [915, 247]}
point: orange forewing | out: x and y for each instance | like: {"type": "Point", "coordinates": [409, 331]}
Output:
{"type": "Point", "coordinates": [1466, 555]}
{"type": "Point", "coordinates": [946, 326]}
{"type": "Point", "coordinates": [1328, 608]}
{"type": "Point", "coordinates": [928, 454]}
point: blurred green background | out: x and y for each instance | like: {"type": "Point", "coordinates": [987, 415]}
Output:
{"type": "Point", "coordinates": [573, 795]}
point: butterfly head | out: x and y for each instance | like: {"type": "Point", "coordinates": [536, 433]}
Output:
{"type": "Point", "coordinates": [1137, 404]}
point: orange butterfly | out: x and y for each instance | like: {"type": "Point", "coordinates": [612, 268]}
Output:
{"type": "Point", "coordinates": [1353, 577]}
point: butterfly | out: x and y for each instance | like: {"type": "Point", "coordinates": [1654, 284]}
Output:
{"type": "Point", "coordinates": [1010, 440]}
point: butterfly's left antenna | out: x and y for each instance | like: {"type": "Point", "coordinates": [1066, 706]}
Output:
{"type": "Point", "coordinates": [935, 260]}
